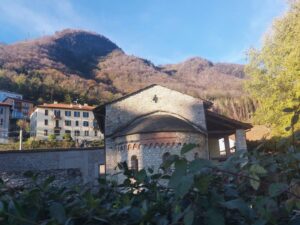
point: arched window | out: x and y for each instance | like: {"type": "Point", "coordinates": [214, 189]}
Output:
{"type": "Point", "coordinates": [134, 163]}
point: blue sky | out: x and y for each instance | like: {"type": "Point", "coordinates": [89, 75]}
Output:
{"type": "Point", "coordinates": [163, 31]}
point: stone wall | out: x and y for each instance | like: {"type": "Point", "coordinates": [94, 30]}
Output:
{"type": "Point", "coordinates": [63, 177]}
{"type": "Point", "coordinates": [66, 163]}
{"type": "Point", "coordinates": [150, 148]}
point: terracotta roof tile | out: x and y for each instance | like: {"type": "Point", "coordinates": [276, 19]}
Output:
{"type": "Point", "coordinates": [67, 106]}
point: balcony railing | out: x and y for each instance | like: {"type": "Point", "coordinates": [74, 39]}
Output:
{"type": "Point", "coordinates": [56, 117]}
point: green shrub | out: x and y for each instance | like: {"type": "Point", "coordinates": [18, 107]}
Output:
{"type": "Point", "coordinates": [248, 188]}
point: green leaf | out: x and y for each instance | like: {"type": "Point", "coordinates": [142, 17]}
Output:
{"type": "Point", "coordinates": [184, 185]}
{"type": "Point", "coordinates": [57, 211]}
{"type": "Point", "coordinates": [288, 128]}
{"type": "Point", "coordinates": [214, 217]}
{"type": "Point", "coordinates": [141, 175]}
{"type": "Point", "coordinates": [295, 221]}
{"type": "Point", "coordinates": [188, 147]}
{"type": "Point", "coordinates": [289, 204]}
{"type": "Point", "coordinates": [1, 207]}
{"type": "Point", "coordinates": [170, 160]}
{"type": "Point", "coordinates": [238, 204]}
{"type": "Point", "coordinates": [189, 217]}
{"type": "Point", "coordinates": [48, 181]}
{"type": "Point", "coordinates": [257, 169]}
{"type": "Point", "coordinates": [180, 171]}
{"type": "Point", "coordinates": [277, 189]}
{"type": "Point", "coordinates": [255, 182]}
{"type": "Point", "coordinates": [202, 183]}
{"type": "Point", "coordinates": [260, 222]}
{"type": "Point", "coordinates": [198, 164]}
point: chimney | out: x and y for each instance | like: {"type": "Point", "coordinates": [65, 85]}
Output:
{"type": "Point", "coordinates": [85, 104]}
{"type": "Point", "coordinates": [55, 102]}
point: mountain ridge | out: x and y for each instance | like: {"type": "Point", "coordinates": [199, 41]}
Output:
{"type": "Point", "coordinates": [86, 65]}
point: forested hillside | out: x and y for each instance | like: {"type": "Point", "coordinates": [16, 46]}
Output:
{"type": "Point", "coordinates": [75, 64]}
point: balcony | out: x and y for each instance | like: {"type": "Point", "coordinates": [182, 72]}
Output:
{"type": "Point", "coordinates": [57, 128]}
{"type": "Point", "coordinates": [56, 117]}
{"type": "Point", "coordinates": [18, 115]}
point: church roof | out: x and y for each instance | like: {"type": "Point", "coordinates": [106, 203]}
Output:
{"type": "Point", "coordinates": [158, 123]}
{"type": "Point", "coordinates": [206, 102]}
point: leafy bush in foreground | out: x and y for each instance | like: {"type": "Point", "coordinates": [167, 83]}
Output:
{"type": "Point", "coordinates": [249, 188]}
{"type": "Point", "coordinates": [257, 187]}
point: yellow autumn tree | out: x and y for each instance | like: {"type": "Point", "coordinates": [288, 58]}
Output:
{"type": "Point", "coordinates": [274, 71]}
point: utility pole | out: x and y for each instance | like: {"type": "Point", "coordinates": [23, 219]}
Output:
{"type": "Point", "coordinates": [20, 139]}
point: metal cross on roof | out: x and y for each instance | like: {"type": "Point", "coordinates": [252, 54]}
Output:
{"type": "Point", "coordinates": [155, 99]}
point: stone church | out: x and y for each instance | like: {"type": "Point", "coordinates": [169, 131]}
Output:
{"type": "Point", "coordinates": [144, 127]}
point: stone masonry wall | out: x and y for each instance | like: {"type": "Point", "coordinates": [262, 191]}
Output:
{"type": "Point", "coordinates": [150, 148]}
{"type": "Point", "coordinates": [85, 161]}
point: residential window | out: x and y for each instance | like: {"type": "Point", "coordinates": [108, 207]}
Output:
{"type": "Point", "coordinates": [67, 122]}
{"type": "Point", "coordinates": [85, 114]}
{"type": "Point", "coordinates": [1, 122]}
{"type": "Point", "coordinates": [67, 132]}
{"type": "Point", "coordinates": [77, 133]}
{"type": "Point", "coordinates": [1, 110]}
{"type": "Point", "coordinates": [45, 132]}
{"type": "Point", "coordinates": [76, 123]}
{"type": "Point", "coordinates": [46, 122]}
{"type": "Point", "coordinates": [56, 132]}
{"type": "Point", "coordinates": [85, 123]}
{"type": "Point", "coordinates": [86, 133]}
{"type": "Point", "coordinates": [67, 113]}
{"type": "Point", "coordinates": [46, 112]}
{"type": "Point", "coordinates": [95, 124]}
{"type": "Point", "coordinates": [96, 133]}
{"type": "Point", "coordinates": [57, 113]}
{"type": "Point", "coordinates": [56, 123]}
{"type": "Point", "coordinates": [76, 114]}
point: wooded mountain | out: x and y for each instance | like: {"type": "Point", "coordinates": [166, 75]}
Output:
{"type": "Point", "coordinates": [75, 64]}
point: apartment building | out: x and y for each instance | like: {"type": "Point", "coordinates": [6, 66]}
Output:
{"type": "Point", "coordinates": [4, 122]}
{"type": "Point", "coordinates": [59, 119]}
{"type": "Point", "coordinates": [21, 109]}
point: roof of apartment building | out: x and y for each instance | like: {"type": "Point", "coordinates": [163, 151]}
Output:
{"type": "Point", "coordinates": [66, 106]}
{"type": "Point", "coordinates": [5, 104]}
{"type": "Point", "coordinates": [17, 99]}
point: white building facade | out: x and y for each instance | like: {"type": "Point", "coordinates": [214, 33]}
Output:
{"type": "Point", "coordinates": [4, 122]}
{"type": "Point", "coordinates": [60, 119]}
